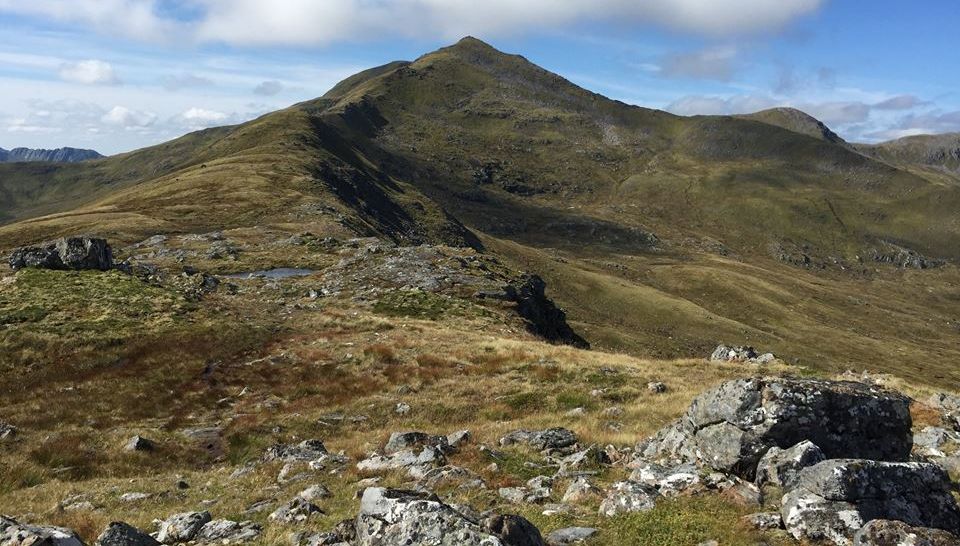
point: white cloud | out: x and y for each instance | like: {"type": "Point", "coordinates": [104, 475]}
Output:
{"type": "Point", "coordinates": [194, 119]}
{"type": "Point", "coordinates": [132, 18]}
{"type": "Point", "coordinates": [129, 119]}
{"type": "Point", "coordinates": [899, 102]}
{"type": "Point", "coordinates": [89, 72]}
{"type": "Point", "coordinates": [710, 105]}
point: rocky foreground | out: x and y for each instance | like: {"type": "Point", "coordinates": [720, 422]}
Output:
{"type": "Point", "coordinates": [838, 459]}
{"type": "Point", "coordinates": [802, 460]}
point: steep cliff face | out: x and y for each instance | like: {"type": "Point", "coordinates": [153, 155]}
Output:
{"type": "Point", "coordinates": [59, 155]}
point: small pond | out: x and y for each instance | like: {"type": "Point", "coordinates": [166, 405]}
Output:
{"type": "Point", "coordinates": [276, 273]}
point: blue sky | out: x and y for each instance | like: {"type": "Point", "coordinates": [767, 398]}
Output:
{"type": "Point", "coordinates": [115, 75]}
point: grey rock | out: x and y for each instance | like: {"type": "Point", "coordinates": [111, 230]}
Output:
{"type": "Point", "coordinates": [623, 497]}
{"type": "Point", "coordinates": [513, 530]}
{"type": "Point", "coordinates": [880, 532]}
{"type": "Point", "coordinates": [207, 438]}
{"type": "Point", "coordinates": [580, 490]}
{"type": "Point", "coordinates": [7, 431]}
{"type": "Point", "coordinates": [139, 443]}
{"type": "Point", "coordinates": [731, 427]}
{"type": "Point", "coordinates": [68, 253]}
{"type": "Point", "coordinates": [764, 520]}
{"type": "Point", "coordinates": [416, 463]}
{"type": "Point", "coordinates": [936, 442]}
{"type": "Point", "coordinates": [401, 408]}
{"type": "Point", "coordinates": [737, 353]}
{"type": "Point", "coordinates": [781, 467]}
{"type": "Point", "coordinates": [297, 510]}
{"type": "Point", "coordinates": [835, 498]}
{"type": "Point", "coordinates": [119, 533]}
{"type": "Point", "coordinates": [134, 496]}
{"type": "Point", "coordinates": [391, 517]}
{"type": "Point", "coordinates": [182, 527]}
{"type": "Point", "coordinates": [570, 535]}
{"type": "Point", "coordinates": [224, 531]}
{"type": "Point", "coordinates": [669, 481]}
{"type": "Point", "coordinates": [307, 450]}
{"type": "Point", "coordinates": [447, 476]}
{"type": "Point", "coordinates": [459, 438]}
{"type": "Point", "coordinates": [314, 492]}
{"type": "Point", "coordinates": [14, 533]}
{"type": "Point", "coordinates": [656, 387]}
{"type": "Point", "coordinates": [400, 441]}
{"type": "Point", "coordinates": [552, 438]}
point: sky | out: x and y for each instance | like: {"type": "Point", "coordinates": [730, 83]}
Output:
{"type": "Point", "coordinates": [116, 75]}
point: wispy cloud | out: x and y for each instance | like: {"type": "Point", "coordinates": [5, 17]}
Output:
{"type": "Point", "coordinates": [89, 72]}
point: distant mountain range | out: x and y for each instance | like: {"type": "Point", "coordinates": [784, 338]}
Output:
{"type": "Point", "coordinates": [59, 155]}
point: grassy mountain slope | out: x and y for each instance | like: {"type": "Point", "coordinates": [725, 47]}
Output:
{"type": "Point", "coordinates": [940, 152]}
{"type": "Point", "coordinates": [796, 121]}
{"type": "Point", "coordinates": [661, 235]}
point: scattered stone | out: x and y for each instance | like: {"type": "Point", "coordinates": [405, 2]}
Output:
{"type": "Point", "coordinates": [224, 531]}
{"type": "Point", "coordinates": [732, 426]}
{"type": "Point", "coordinates": [459, 438]}
{"type": "Point", "coordinates": [401, 408]}
{"type": "Point", "coordinates": [68, 253]}
{"type": "Point", "coordinates": [259, 506]}
{"type": "Point", "coordinates": [416, 464]}
{"type": "Point", "coordinates": [656, 387]}
{"type": "Point", "coordinates": [780, 467]}
{"type": "Point", "coordinates": [613, 412]}
{"type": "Point", "coordinates": [119, 533]}
{"type": "Point", "coordinates": [139, 443]}
{"type": "Point", "coordinates": [314, 492]}
{"type": "Point", "coordinates": [764, 520]}
{"type": "Point", "coordinates": [391, 517]}
{"type": "Point", "coordinates": [576, 412]}
{"type": "Point", "coordinates": [570, 535]}
{"type": "Point", "coordinates": [881, 532]}
{"type": "Point", "coordinates": [297, 510]}
{"type": "Point", "coordinates": [134, 497]}
{"type": "Point", "coordinates": [835, 498]}
{"type": "Point", "coordinates": [307, 450]}
{"type": "Point", "coordinates": [400, 441]}
{"type": "Point", "coordinates": [14, 533]}
{"type": "Point", "coordinates": [669, 481]}
{"type": "Point", "coordinates": [744, 494]}
{"type": "Point", "coordinates": [624, 497]}
{"type": "Point", "coordinates": [580, 490]}
{"type": "Point", "coordinates": [182, 527]}
{"type": "Point", "coordinates": [592, 457]}
{"type": "Point", "coordinates": [736, 353]}
{"type": "Point", "coordinates": [450, 476]}
{"type": "Point", "coordinates": [207, 438]}
{"type": "Point", "coordinates": [553, 438]}
{"type": "Point", "coordinates": [7, 431]}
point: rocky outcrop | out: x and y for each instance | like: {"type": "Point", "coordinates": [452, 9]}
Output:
{"type": "Point", "coordinates": [835, 498]}
{"type": "Point", "coordinates": [882, 532]}
{"type": "Point", "coordinates": [69, 253]}
{"type": "Point", "coordinates": [14, 533]}
{"type": "Point", "coordinates": [544, 318]}
{"type": "Point", "coordinates": [732, 426]}
{"type": "Point", "coordinates": [627, 496]}
{"type": "Point", "coordinates": [740, 353]}
{"type": "Point", "coordinates": [391, 517]}
{"type": "Point", "coordinates": [182, 527]}
{"type": "Point", "coordinates": [552, 438]}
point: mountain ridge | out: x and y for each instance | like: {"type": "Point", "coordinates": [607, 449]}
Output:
{"type": "Point", "coordinates": [57, 155]}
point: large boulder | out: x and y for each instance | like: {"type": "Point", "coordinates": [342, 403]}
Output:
{"type": "Point", "coordinates": [731, 427]}
{"type": "Point", "coordinates": [14, 533]}
{"type": "Point", "coordinates": [391, 517]}
{"type": "Point", "coordinates": [835, 498]}
{"type": "Point", "coordinates": [66, 253]}
{"type": "Point", "coordinates": [883, 532]}
{"type": "Point", "coordinates": [781, 467]}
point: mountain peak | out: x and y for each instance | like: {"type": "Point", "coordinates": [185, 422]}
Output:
{"type": "Point", "coordinates": [797, 121]}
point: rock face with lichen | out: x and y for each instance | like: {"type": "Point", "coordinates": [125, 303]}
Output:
{"type": "Point", "coordinates": [834, 499]}
{"type": "Point", "coordinates": [67, 253]}
{"type": "Point", "coordinates": [732, 426]}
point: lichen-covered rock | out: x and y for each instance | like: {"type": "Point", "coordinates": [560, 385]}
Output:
{"type": "Point", "coordinates": [781, 467]}
{"type": "Point", "coordinates": [669, 481]}
{"type": "Point", "coordinates": [400, 441]}
{"type": "Point", "coordinates": [835, 498]}
{"type": "Point", "coordinates": [307, 450]}
{"type": "Point", "coordinates": [551, 438]}
{"type": "Point", "coordinates": [138, 443]}
{"type": "Point", "coordinates": [580, 490]}
{"type": "Point", "coordinates": [391, 517]}
{"type": "Point", "coordinates": [225, 531]}
{"type": "Point", "coordinates": [67, 253]}
{"type": "Point", "coordinates": [119, 533]}
{"type": "Point", "coordinates": [450, 476]}
{"type": "Point", "coordinates": [182, 527]}
{"type": "Point", "coordinates": [731, 427]}
{"type": "Point", "coordinates": [881, 532]}
{"type": "Point", "coordinates": [14, 533]}
{"type": "Point", "coordinates": [628, 496]}
{"type": "Point", "coordinates": [738, 353]}
{"type": "Point", "coordinates": [513, 530]}
{"type": "Point", "coordinates": [417, 464]}
{"type": "Point", "coordinates": [297, 510]}
{"type": "Point", "coordinates": [570, 535]}
{"type": "Point", "coordinates": [764, 520]}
